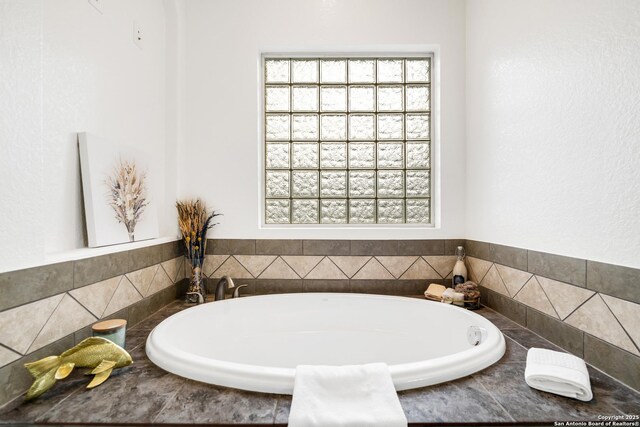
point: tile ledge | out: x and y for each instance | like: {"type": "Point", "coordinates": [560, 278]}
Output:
{"type": "Point", "coordinates": [83, 253]}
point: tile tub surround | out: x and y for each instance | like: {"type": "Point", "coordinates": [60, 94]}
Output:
{"type": "Point", "coordinates": [396, 267]}
{"type": "Point", "coordinates": [588, 308]}
{"type": "Point", "coordinates": [46, 309]}
{"type": "Point", "coordinates": [589, 313]}
{"type": "Point", "coordinates": [497, 394]}
{"type": "Point", "coordinates": [568, 300]}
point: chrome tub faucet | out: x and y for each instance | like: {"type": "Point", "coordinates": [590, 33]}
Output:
{"type": "Point", "coordinates": [223, 285]}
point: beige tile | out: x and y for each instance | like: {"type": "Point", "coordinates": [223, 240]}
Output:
{"type": "Point", "coordinates": [279, 270]}
{"type": "Point", "coordinates": [124, 296]}
{"type": "Point", "coordinates": [142, 279]}
{"type": "Point", "coordinates": [327, 270]}
{"type": "Point", "coordinates": [255, 264]}
{"type": "Point", "coordinates": [7, 356]}
{"type": "Point", "coordinates": [397, 265]}
{"type": "Point", "coordinates": [350, 264]}
{"type": "Point", "coordinates": [595, 318]}
{"type": "Point", "coordinates": [20, 326]}
{"type": "Point", "coordinates": [443, 264]}
{"type": "Point", "coordinates": [420, 270]}
{"type": "Point", "coordinates": [628, 314]}
{"type": "Point", "coordinates": [564, 297]}
{"type": "Point", "coordinates": [493, 281]}
{"type": "Point", "coordinates": [171, 268]}
{"type": "Point", "coordinates": [96, 297]}
{"type": "Point", "coordinates": [67, 318]}
{"type": "Point", "coordinates": [181, 269]}
{"type": "Point", "coordinates": [513, 278]}
{"type": "Point", "coordinates": [160, 282]}
{"type": "Point", "coordinates": [210, 264]}
{"type": "Point", "coordinates": [187, 267]}
{"type": "Point", "coordinates": [232, 268]}
{"type": "Point", "coordinates": [532, 295]}
{"type": "Point", "coordinates": [373, 270]}
{"type": "Point", "coordinates": [302, 264]}
{"type": "Point", "coordinates": [477, 268]}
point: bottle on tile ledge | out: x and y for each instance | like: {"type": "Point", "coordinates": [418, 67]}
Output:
{"type": "Point", "coordinates": [459, 269]}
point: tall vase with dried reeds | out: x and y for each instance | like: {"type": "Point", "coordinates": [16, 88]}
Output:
{"type": "Point", "coordinates": [195, 220]}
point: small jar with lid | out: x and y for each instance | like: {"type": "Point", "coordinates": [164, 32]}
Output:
{"type": "Point", "coordinates": [114, 330]}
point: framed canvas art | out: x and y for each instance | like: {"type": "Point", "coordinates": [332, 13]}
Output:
{"type": "Point", "coordinates": [117, 183]}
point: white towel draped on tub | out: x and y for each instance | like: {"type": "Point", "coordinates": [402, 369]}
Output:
{"type": "Point", "coordinates": [558, 373]}
{"type": "Point", "coordinates": [358, 395]}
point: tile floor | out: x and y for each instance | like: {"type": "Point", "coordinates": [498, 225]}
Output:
{"type": "Point", "coordinates": [144, 394]}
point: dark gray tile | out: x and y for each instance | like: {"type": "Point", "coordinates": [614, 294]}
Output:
{"type": "Point", "coordinates": [279, 247]}
{"type": "Point", "coordinates": [507, 255]}
{"type": "Point", "coordinates": [514, 353]}
{"type": "Point", "coordinates": [421, 247]}
{"type": "Point", "coordinates": [31, 284]}
{"type": "Point", "coordinates": [326, 247]}
{"type": "Point", "coordinates": [612, 360]}
{"type": "Point", "coordinates": [326, 285]}
{"type": "Point", "coordinates": [504, 305]}
{"type": "Point", "coordinates": [172, 250]}
{"type": "Point", "coordinates": [529, 339]}
{"type": "Point", "coordinates": [414, 287]}
{"type": "Point", "coordinates": [112, 400]}
{"type": "Point", "coordinates": [282, 410]}
{"type": "Point", "coordinates": [277, 286]}
{"type": "Point", "coordinates": [95, 269]}
{"type": "Point", "coordinates": [208, 404]}
{"type": "Point", "coordinates": [139, 355]}
{"type": "Point", "coordinates": [144, 257]}
{"type": "Point", "coordinates": [505, 382]}
{"type": "Point", "coordinates": [502, 322]}
{"type": "Point", "coordinates": [477, 249]}
{"type": "Point", "coordinates": [82, 334]}
{"type": "Point", "coordinates": [562, 268]}
{"type": "Point", "coordinates": [164, 297]}
{"type": "Point", "coordinates": [231, 247]}
{"type": "Point", "coordinates": [181, 287]}
{"type": "Point", "coordinates": [620, 396]}
{"type": "Point", "coordinates": [136, 338]}
{"type": "Point", "coordinates": [459, 401]}
{"type": "Point", "coordinates": [450, 245]}
{"type": "Point", "coordinates": [382, 287]}
{"type": "Point", "coordinates": [374, 247]}
{"type": "Point", "coordinates": [621, 282]}
{"type": "Point", "coordinates": [15, 379]}
{"type": "Point", "coordinates": [139, 311]}
{"type": "Point", "coordinates": [149, 315]}
{"type": "Point", "coordinates": [18, 411]}
{"type": "Point", "coordinates": [556, 331]}
{"type": "Point", "coordinates": [249, 289]}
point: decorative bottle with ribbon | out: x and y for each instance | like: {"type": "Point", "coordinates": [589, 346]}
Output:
{"type": "Point", "coordinates": [459, 269]}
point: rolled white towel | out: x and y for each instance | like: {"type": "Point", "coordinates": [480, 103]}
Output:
{"type": "Point", "coordinates": [451, 296]}
{"type": "Point", "coordinates": [559, 373]}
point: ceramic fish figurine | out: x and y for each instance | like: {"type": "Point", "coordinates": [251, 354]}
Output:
{"type": "Point", "coordinates": [98, 353]}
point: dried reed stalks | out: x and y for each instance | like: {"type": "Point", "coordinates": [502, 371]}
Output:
{"type": "Point", "coordinates": [194, 221]}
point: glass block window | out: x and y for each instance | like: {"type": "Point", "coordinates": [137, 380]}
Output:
{"type": "Point", "coordinates": [347, 140]}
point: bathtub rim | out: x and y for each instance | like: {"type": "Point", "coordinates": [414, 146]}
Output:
{"type": "Point", "coordinates": [266, 379]}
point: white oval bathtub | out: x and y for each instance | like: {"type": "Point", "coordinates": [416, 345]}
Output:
{"type": "Point", "coordinates": [255, 343]}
